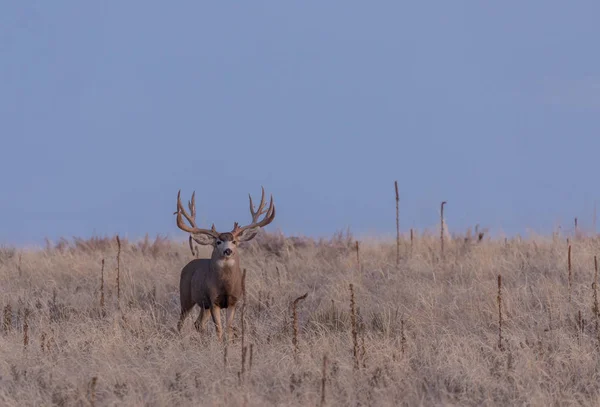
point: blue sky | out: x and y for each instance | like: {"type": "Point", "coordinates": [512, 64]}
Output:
{"type": "Point", "coordinates": [108, 108]}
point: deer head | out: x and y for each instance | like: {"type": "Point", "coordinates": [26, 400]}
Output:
{"type": "Point", "coordinates": [224, 244]}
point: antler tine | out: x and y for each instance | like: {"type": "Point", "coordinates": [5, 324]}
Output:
{"type": "Point", "coordinates": [270, 214]}
{"type": "Point", "coordinates": [192, 205]}
{"type": "Point", "coordinates": [181, 213]}
{"type": "Point", "coordinates": [271, 210]}
{"type": "Point", "coordinates": [260, 210]}
{"type": "Point", "coordinates": [178, 203]}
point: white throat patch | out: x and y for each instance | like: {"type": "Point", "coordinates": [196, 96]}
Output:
{"type": "Point", "coordinates": [227, 262]}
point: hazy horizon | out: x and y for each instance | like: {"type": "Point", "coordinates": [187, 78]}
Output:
{"type": "Point", "coordinates": [107, 111]}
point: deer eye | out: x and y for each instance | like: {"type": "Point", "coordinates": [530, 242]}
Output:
{"type": "Point", "coordinates": [234, 242]}
{"type": "Point", "coordinates": [219, 242]}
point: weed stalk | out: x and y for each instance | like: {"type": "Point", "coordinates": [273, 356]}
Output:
{"type": "Point", "coordinates": [397, 225]}
{"type": "Point", "coordinates": [499, 298]}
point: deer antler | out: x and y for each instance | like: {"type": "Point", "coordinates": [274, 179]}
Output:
{"type": "Point", "coordinates": [269, 215]}
{"type": "Point", "coordinates": [191, 218]}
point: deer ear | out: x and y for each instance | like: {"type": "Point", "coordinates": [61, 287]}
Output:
{"type": "Point", "coordinates": [248, 234]}
{"type": "Point", "coordinates": [204, 239]}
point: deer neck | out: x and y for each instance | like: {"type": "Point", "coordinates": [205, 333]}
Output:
{"type": "Point", "coordinates": [226, 266]}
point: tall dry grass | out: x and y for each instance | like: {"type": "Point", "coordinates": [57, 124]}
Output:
{"type": "Point", "coordinates": [430, 328]}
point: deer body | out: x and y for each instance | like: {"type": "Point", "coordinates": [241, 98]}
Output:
{"type": "Point", "coordinates": [216, 283]}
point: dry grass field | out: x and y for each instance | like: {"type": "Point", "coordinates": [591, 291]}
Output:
{"type": "Point", "coordinates": [425, 333]}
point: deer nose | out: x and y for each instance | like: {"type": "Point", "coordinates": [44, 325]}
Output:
{"type": "Point", "coordinates": [227, 252]}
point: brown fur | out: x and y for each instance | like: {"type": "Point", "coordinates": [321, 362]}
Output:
{"type": "Point", "coordinates": [211, 284]}
{"type": "Point", "coordinates": [216, 283]}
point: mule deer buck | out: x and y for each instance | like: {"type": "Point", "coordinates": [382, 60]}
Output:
{"type": "Point", "coordinates": [216, 283]}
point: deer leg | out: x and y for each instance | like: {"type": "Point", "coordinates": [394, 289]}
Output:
{"type": "Point", "coordinates": [202, 319]}
{"type": "Point", "coordinates": [215, 313]}
{"type": "Point", "coordinates": [230, 315]}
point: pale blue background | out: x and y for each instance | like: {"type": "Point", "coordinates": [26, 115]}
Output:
{"type": "Point", "coordinates": [108, 108]}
